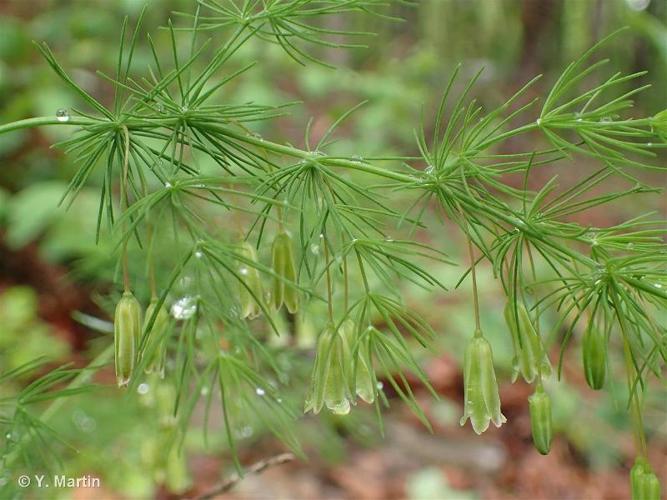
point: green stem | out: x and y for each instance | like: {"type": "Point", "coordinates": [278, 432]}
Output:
{"type": "Point", "coordinates": [126, 199]}
{"type": "Point", "coordinates": [42, 121]}
{"type": "Point", "coordinates": [328, 273]}
{"type": "Point", "coordinates": [475, 297]}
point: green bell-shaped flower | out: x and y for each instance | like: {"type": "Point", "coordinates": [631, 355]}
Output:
{"type": "Point", "coordinates": [283, 265]}
{"type": "Point", "coordinates": [126, 332]}
{"type": "Point", "coordinates": [594, 350]}
{"type": "Point", "coordinates": [539, 405]}
{"type": "Point", "coordinates": [530, 358]}
{"type": "Point", "coordinates": [331, 378]}
{"type": "Point", "coordinates": [364, 377]}
{"type": "Point", "coordinates": [482, 402]}
{"type": "Point", "coordinates": [250, 286]}
{"type": "Point", "coordinates": [155, 342]}
{"type": "Point", "coordinates": [363, 382]}
{"type": "Point", "coordinates": [643, 481]}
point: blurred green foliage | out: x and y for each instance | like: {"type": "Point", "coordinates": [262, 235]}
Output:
{"type": "Point", "coordinates": [23, 336]}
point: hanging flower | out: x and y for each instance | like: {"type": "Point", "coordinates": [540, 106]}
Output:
{"type": "Point", "coordinates": [659, 124]}
{"type": "Point", "coordinates": [250, 286]}
{"type": "Point", "coordinates": [330, 379]}
{"type": "Point", "coordinates": [530, 358]}
{"type": "Point", "coordinates": [539, 405]}
{"type": "Point", "coordinates": [643, 481]}
{"type": "Point", "coordinates": [283, 266]}
{"type": "Point", "coordinates": [594, 351]}
{"type": "Point", "coordinates": [482, 402]}
{"type": "Point", "coordinates": [155, 341]}
{"type": "Point", "coordinates": [126, 330]}
{"type": "Point", "coordinates": [364, 376]}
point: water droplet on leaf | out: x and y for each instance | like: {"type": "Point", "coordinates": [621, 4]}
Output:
{"type": "Point", "coordinates": [184, 308]}
{"type": "Point", "coordinates": [62, 115]}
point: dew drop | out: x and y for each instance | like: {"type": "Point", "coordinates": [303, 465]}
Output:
{"type": "Point", "coordinates": [204, 390]}
{"type": "Point", "coordinates": [168, 185]}
{"type": "Point", "coordinates": [199, 254]}
{"type": "Point", "coordinates": [638, 5]}
{"type": "Point", "coordinates": [380, 385]}
{"type": "Point", "coordinates": [429, 170]}
{"type": "Point", "coordinates": [143, 388]}
{"type": "Point", "coordinates": [62, 115]}
{"type": "Point", "coordinates": [243, 270]}
{"type": "Point", "coordinates": [315, 249]}
{"type": "Point", "coordinates": [657, 285]}
{"type": "Point", "coordinates": [184, 308]}
{"type": "Point", "coordinates": [538, 121]}
{"type": "Point", "coordinates": [245, 432]}
{"type": "Point", "coordinates": [83, 421]}
{"type": "Point", "coordinates": [259, 391]}
{"type": "Point", "coordinates": [341, 407]}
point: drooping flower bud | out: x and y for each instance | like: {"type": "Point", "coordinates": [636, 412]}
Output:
{"type": "Point", "coordinates": [643, 481]}
{"type": "Point", "coordinates": [539, 405]}
{"type": "Point", "coordinates": [594, 351]}
{"type": "Point", "coordinates": [336, 393]}
{"type": "Point", "coordinates": [283, 266]}
{"type": "Point", "coordinates": [365, 384]}
{"type": "Point", "coordinates": [659, 124]}
{"type": "Point", "coordinates": [127, 329]}
{"type": "Point", "coordinates": [530, 358]}
{"type": "Point", "coordinates": [481, 398]}
{"type": "Point", "coordinates": [330, 380]}
{"type": "Point", "coordinates": [250, 287]}
{"type": "Point", "coordinates": [155, 342]}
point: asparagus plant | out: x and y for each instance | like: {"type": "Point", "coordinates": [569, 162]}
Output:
{"type": "Point", "coordinates": [327, 220]}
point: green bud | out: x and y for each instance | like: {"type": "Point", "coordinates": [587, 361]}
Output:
{"type": "Point", "coordinates": [659, 124]}
{"type": "Point", "coordinates": [530, 357]}
{"type": "Point", "coordinates": [595, 356]}
{"type": "Point", "coordinates": [250, 287]}
{"type": "Point", "coordinates": [177, 475]}
{"type": "Point", "coordinates": [155, 338]}
{"type": "Point", "coordinates": [127, 329]}
{"type": "Point", "coordinates": [283, 266]}
{"type": "Point", "coordinates": [481, 398]}
{"type": "Point", "coordinates": [539, 405]}
{"type": "Point", "coordinates": [643, 481]}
